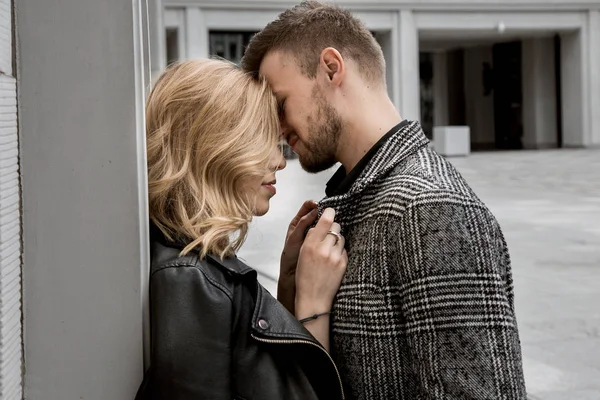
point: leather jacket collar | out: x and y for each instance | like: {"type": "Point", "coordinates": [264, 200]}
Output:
{"type": "Point", "coordinates": [269, 320]}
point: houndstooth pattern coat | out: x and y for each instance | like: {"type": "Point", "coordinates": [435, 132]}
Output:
{"type": "Point", "coordinates": [426, 308]}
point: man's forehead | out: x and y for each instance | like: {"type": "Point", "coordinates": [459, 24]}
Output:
{"type": "Point", "coordinates": [276, 62]}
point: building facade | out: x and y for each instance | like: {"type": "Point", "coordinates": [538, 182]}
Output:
{"type": "Point", "coordinates": [520, 74]}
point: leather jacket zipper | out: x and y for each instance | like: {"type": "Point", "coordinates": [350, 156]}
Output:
{"type": "Point", "coordinates": [299, 341]}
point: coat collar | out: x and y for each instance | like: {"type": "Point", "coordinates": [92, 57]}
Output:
{"type": "Point", "coordinates": [231, 264]}
{"type": "Point", "coordinates": [169, 250]}
{"type": "Point", "coordinates": [407, 140]}
{"type": "Point", "coordinates": [270, 318]}
{"type": "Point", "coordinates": [278, 322]}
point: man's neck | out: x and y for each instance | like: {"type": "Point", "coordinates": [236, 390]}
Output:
{"type": "Point", "coordinates": [364, 129]}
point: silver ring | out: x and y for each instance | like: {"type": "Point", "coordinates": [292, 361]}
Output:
{"type": "Point", "coordinates": [337, 236]}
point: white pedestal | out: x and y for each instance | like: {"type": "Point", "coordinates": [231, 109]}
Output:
{"type": "Point", "coordinates": [452, 140]}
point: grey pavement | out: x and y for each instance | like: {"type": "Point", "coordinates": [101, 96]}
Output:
{"type": "Point", "coordinates": [548, 203]}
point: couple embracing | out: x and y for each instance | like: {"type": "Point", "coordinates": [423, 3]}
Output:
{"type": "Point", "coordinates": [396, 285]}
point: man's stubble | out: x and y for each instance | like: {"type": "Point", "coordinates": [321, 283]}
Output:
{"type": "Point", "coordinates": [324, 130]}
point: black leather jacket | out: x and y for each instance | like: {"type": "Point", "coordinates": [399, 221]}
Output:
{"type": "Point", "coordinates": [218, 334]}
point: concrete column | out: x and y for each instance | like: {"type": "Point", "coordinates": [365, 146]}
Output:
{"type": "Point", "coordinates": [409, 83]}
{"type": "Point", "coordinates": [196, 33]}
{"type": "Point", "coordinates": [440, 89]}
{"type": "Point", "coordinates": [594, 79]}
{"type": "Point", "coordinates": [573, 87]}
{"type": "Point", "coordinates": [157, 37]}
{"type": "Point", "coordinates": [385, 40]}
{"type": "Point", "coordinates": [479, 107]}
{"type": "Point", "coordinates": [539, 93]}
{"type": "Point", "coordinates": [81, 98]}
{"type": "Point", "coordinates": [11, 343]}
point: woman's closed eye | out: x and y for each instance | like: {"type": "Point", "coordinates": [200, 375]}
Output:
{"type": "Point", "coordinates": [281, 108]}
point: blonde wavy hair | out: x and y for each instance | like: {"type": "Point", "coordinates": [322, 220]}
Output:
{"type": "Point", "coordinates": [210, 129]}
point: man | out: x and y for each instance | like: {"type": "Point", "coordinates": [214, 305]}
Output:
{"type": "Point", "coordinates": [426, 309]}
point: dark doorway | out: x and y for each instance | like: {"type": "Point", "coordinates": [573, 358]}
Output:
{"type": "Point", "coordinates": [558, 85]}
{"type": "Point", "coordinates": [426, 79]}
{"type": "Point", "coordinates": [172, 37]}
{"type": "Point", "coordinates": [229, 45]}
{"type": "Point", "coordinates": [508, 96]}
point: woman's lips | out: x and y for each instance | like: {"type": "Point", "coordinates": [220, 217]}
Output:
{"type": "Point", "coordinates": [271, 188]}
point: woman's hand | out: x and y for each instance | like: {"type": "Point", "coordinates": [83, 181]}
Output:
{"type": "Point", "coordinates": [286, 287]}
{"type": "Point", "coordinates": [321, 266]}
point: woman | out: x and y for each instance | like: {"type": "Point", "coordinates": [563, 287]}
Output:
{"type": "Point", "coordinates": [212, 134]}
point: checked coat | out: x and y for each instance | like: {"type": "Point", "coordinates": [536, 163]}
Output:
{"type": "Point", "coordinates": [426, 308]}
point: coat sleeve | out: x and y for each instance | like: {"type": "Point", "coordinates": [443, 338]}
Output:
{"type": "Point", "coordinates": [457, 300]}
{"type": "Point", "coordinates": [191, 335]}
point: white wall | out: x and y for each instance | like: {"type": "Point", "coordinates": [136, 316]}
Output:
{"type": "Point", "coordinates": [539, 93]}
{"type": "Point", "coordinates": [385, 40]}
{"type": "Point", "coordinates": [594, 70]}
{"type": "Point", "coordinates": [573, 81]}
{"type": "Point", "coordinates": [84, 228]}
{"type": "Point", "coordinates": [11, 349]}
{"type": "Point", "coordinates": [157, 37]}
{"type": "Point", "coordinates": [408, 65]}
{"type": "Point", "coordinates": [440, 89]}
{"type": "Point", "coordinates": [479, 108]}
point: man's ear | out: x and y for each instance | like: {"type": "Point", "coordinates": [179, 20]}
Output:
{"type": "Point", "coordinates": [333, 66]}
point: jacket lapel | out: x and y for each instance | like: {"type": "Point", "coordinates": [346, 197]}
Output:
{"type": "Point", "coordinates": [270, 318]}
{"type": "Point", "coordinates": [405, 142]}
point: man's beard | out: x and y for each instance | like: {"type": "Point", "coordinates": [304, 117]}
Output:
{"type": "Point", "coordinates": [323, 136]}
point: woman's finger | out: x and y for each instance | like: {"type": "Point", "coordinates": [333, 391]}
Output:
{"type": "Point", "coordinates": [324, 225]}
{"type": "Point", "coordinates": [340, 245]}
{"type": "Point", "coordinates": [305, 222]}
{"type": "Point", "coordinates": [307, 207]}
{"type": "Point", "coordinates": [331, 239]}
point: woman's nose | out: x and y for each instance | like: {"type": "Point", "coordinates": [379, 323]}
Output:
{"type": "Point", "coordinates": [277, 160]}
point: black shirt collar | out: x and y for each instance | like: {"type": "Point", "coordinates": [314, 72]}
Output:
{"type": "Point", "coordinates": [341, 182]}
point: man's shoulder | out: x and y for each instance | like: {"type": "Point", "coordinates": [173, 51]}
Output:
{"type": "Point", "coordinates": [424, 175]}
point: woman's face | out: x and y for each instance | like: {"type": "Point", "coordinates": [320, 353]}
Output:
{"type": "Point", "coordinates": [265, 187]}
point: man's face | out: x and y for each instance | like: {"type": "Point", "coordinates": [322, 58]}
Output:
{"type": "Point", "coordinates": [309, 123]}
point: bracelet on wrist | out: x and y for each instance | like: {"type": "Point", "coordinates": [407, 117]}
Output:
{"type": "Point", "coordinates": [313, 317]}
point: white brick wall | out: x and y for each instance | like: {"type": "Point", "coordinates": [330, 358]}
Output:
{"type": "Point", "coordinates": [10, 220]}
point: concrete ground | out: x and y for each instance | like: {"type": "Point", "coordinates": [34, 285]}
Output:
{"type": "Point", "coordinates": [548, 203]}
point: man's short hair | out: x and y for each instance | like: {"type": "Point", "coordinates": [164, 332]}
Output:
{"type": "Point", "coordinates": [306, 29]}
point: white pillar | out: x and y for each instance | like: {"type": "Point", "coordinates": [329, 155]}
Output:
{"type": "Point", "coordinates": [594, 79]}
{"type": "Point", "coordinates": [11, 360]}
{"type": "Point", "coordinates": [196, 33]}
{"type": "Point", "coordinates": [440, 89]}
{"type": "Point", "coordinates": [479, 107]}
{"type": "Point", "coordinates": [81, 98]}
{"type": "Point", "coordinates": [409, 81]}
{"type": "Point", "coordinates": [157, 37]}
{"type": "Point", "coordinates": [573, 88]}
{"type": "Point", "coordinates": [385, 40]}
{"type": "Point", "coordinates": [539, 93]}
